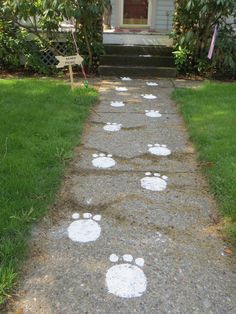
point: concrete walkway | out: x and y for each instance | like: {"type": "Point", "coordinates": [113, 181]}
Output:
{"type": "Point", "coordinates": [149, 246]}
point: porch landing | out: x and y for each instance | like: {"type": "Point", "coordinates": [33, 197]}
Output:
{"type": "Point", "coordinates": [144, 38]}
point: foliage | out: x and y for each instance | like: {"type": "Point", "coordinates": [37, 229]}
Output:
{"type": "Point", "coordinates": [181, 57]}
{"type": "Point", "coordinates": [43, 19]}
{"type": "Point", "coordinates": [44, 123]}
{"type": "Point", "coordinates": [11, 38]}
{"type": "Point", "coordinates": [194, 22]}
{"type": "Point", "coordinates": [209, 112]}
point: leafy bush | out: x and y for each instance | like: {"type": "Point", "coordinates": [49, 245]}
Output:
{"type": "Point", "coordinates": [40, 20]}
{"type": "Point", "coordinates": [9, 47]}
{"type": "Point", "coordinates": [181, 57]}
{"type": "Point", "coordinates": [29, 56]}
{"type": "Point", "coordinates": [194, 23]}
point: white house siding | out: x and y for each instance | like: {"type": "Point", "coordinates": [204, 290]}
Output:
{"type": "Point", "coordinates": [115, 15]}
{"type": "Point", "coordinates": [161, 14]}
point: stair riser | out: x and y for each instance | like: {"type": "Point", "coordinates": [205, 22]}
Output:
{"type": "Point", "coordinates": [137, 72]}
{"type": "Point", "coordinates": [138, 50]}
{"type": "Point", "coordinates": [137, 61]}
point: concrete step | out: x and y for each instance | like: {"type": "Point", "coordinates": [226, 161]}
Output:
{"type": "Point", "coordinates": [109, 70]}
{"type": "Point", "coordinates": [138, 50]}
{"type": "Point", "coordinates": [131, 60]}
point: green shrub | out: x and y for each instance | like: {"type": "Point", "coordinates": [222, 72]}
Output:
{"type": "Point", "coordinates": [40, 20]}
{"type": "Point", "coordinates": [194, 23]}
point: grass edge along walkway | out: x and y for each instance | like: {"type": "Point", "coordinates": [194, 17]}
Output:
{"type": "Point", "coordinates": [41, 122]}
{"type": "Point", "coordinates": [209, 112]}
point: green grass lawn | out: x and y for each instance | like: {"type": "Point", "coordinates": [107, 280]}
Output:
{"type": "Point", "coordinates": [210, 115]}
{"type": "Point", "coordinates": [41, 122]}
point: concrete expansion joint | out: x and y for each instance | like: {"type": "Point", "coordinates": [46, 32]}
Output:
{"type": "Point", "coordinates": [142, 127]}
{"type": "Point", "coordinates": [114, 172]}
{"type": "Point", "coordinates": [141, 112]}
{"type": "Point", "coordinates": [103, 206]}
{"type": "Point", "coordinates": [148, 157]}
{"type": "Point", "coordinates": [136, 128]}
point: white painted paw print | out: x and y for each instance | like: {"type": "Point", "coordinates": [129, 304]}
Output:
{"type": "Point", "coordinates": [153, 113]}
{"type": "Point", "coordinates": [126, 280]}
{"type": "Point", "coordinates": [84, 229]}
{"type": "Point", "coordinates": [103, 161]}
{"type": "Point", "coordinates": [146, 56]}
{"type": "Point", "coordinates": [154, 182]}
{"type": "Point", "coordinates": [159, 150]}
{"type": "Point", "coordinates": [161, 238]}
{"type": "Point", "coordinates": [117, 104]}
{"type": "Point", "coordinates": [121, 89]}
{"type": "Point", "coordinates": [152, 84]}
{"type": "Point", "coordinates": [112, 127]}
{"type": "Point", "coordinates": [126, 78]}
{"type": "Point", "coordinates": [149, 96]}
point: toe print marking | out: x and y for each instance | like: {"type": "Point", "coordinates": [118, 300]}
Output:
{"type": "Point", "coordinates": [155, 182]}
{"type": "Point", "coordinates": [152, 84]}
{"type": "Point", "coordinates": [117, 104]}
{"type": "Point", "coordinates": [126, 78]}
{"type": "Point", "coordinates": [112, 127]}
{"type": "Point", "coordinates": [85, 229]}
{"type": "Point", "coordinates": [103, 161]}
{"type": "Point", "coordinates": [152, 114]}
{"type": "Point", "coordinates": [126, 280]}
{"type": "Point", "coordinates": [159, 150]}
{"type": "Point", "coordinates": [121, 89]}
{"type": "Point", "coordinates": [149, 96]}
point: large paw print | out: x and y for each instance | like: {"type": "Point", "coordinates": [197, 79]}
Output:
{"type": "Point", "coordinates": [155, 182]}
{"type": "Point", "coordinates": [126, 280]}
{"type": "Point", "coordinates": [159, 150]}
{"type": "Point", "coordinates": [112, 127]}
{"type": "Point", "coordinates": [121, 89]}
{"type": "Point", "coordinates": [103, 161]}
{"type": "Point", "coordinates": [153, 113]}
{"type": "Point", "coordinates": [86, 229]}
{"type": "Point", "coordinates": [117, 104]}
{"type": "Point", "coordinates": [149, 96]}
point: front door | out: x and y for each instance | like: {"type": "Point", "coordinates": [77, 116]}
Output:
{"type": "Point", "coordinates": [135, 13]}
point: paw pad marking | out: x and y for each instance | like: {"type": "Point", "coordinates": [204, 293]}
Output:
{"type": "Point", "coordinates": [121, 89]}
{"type": "Point", "coordinates": [117, 104]}
{"type": "Point", "coordinates": [154, 182]}
{"type": "Point", "coordinates": [153, 113]}
{"type": "Point", "coordinates": [85, 229]}
{"type": "Point", "coordinates": [112, 127]}
{"type": "Point", "coordinates": [126, 78]}
{"type": "Point", "coordinates": [159, 150]}
{"type": "Point", "coordinates": [103, 161]}
{"type": "Point", "coordinates": [152, 84]}
{"type": "Point", "coordinates": [126, 280]}
{"type": "Point", "coordinates": [149, 96]}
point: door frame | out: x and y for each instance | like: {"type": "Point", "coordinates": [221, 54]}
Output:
{"type": "Point", "coordinates": [136, 25]}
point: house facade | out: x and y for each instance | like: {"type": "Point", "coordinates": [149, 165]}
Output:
{"type": "Point", "coordinates": [139, 22]}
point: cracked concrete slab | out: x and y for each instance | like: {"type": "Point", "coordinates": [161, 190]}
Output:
{"type": "Point", "coordinates": [132, 143]}
{"type": "Point", "coordinates": [136, 105]}
{"type": "Point", "coordinates": [109, 187]}
{"type": "Point", "coordinates": [159, 127]}
{"type": "Point", "coordinates": [140, 161]}
{"type": "Point", "coordinates": [172, 230]}
{"type": "Point", "coordinates": [139, 120]}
